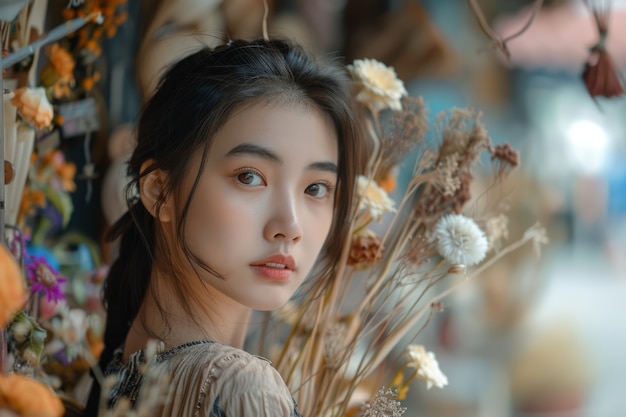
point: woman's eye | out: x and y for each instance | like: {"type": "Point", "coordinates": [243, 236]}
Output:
{"type": "Point", "coordinates": [319, 190]}
{"type": "Point", "coordinates": [250, 178]}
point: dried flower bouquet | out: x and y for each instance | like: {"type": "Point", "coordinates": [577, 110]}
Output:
{"type": "Point", "coordinates": [329, 342]}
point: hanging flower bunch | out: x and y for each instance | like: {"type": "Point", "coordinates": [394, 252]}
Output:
{"type": "Point", "coordinates": [50, 333]}
{"type": "Point", "coordinates": [46, 203]}
{"type": "Point", "coordinates": [86, 43]}
{"type": "Point", "coordinates": [21, 394]}
{"type": "Point", "coordinates": [336, 345]}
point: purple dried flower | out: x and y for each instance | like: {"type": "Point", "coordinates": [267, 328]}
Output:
{"type": "Point", "coordinates": [44, 278]}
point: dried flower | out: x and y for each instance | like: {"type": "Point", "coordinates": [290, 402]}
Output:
{"type": "Point", "coordinates": [403, 132]}
{"type": "Point", "coordinates": [54, 169]}
{"type": "Point", "coordinates": [33, 105]}
{"type": "Point", "coordinates": [497, 230]}
{"type": "Point", "coordinates": [333, 342]}
{"type": "Point", "coordinates": [460, 240]}
{"type": "Point", "coordinates": [463, 134]}
{"type": "Point", "coordinates": [372, 198]}
{"type": "Point", "coordinates": [325, 363]}
{"type": "Point", "coordinates": [29, 339]}
{"type": "Point", "coordinates": [384, 404]}
{"type": "Point", "coordinates": [506, 157]}
{"type": "Point", "coordinates": [44, 278]}
{"type": "Point", "coordinates": [59, 73]}
{"type": "Point", "coordinates": [70, 334]}
{"type": "Point", "coordinates": [12, 291]}
{"type": "Point", "coordinates": [29, 397]}
{"type": "Point", "coordinates": [426, 366]}
{"type": "Point", "coordinates": [62, 61]}
{"type": "Point", "coordinates": [379, 86]}
{"type": "Point", "coordinates": [366, 251]}
{"type": "Point", "coordinates": [445, 178]}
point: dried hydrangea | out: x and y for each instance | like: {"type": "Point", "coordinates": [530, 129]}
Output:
{"type": "Point", "coordinates": [379, 85]}
{"type": "Point", "coordinates": [426, 366]}
{"type": "Point", "coordinates": [384, 404]}
{"type": "Point", "coordinates": [460, 240]}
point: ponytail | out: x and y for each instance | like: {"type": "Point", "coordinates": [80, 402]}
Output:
{"type": "Point", "coordinates": [125, 286]}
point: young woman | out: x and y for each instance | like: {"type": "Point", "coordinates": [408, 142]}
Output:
{"type": "Point", "coordinates": [243, 177]}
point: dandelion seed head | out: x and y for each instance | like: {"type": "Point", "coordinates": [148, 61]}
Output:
{"type": "Point", "coordinates": [460, 240]}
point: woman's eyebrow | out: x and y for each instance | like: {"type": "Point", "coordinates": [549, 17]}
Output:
{"type": "Point", "coordinates": [324, 166]}
{"type": "Point", "coordinates": [259, 151]}
{"type": "Point", "coordinates": [254, 150]}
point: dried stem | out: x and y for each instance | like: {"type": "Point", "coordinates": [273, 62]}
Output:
{"type": "Point", "coordinates": [499, 42]}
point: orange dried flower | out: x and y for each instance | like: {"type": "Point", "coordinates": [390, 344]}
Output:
{"type": "Point", "coordinates": [30, 200]}
{"type": "Point", "coordinates": [62, 61]}
{"type": "Point", "coordinates": [68, 14]}
{"type": "Point", "coordinates": [66, 171]}
{"type": "Point", "coordinates": [29, 397]}
{"type": "Point", "coordinates": [121, 19]}
{"type": "Point", "coordinates": [62, 89]}
{"type": "Point", "coordinates": [366, 251]}
{"type": "Point", "coordinates": [12, 291]}
{"type": "Point", "coordinates": [111, 31]}
{"type": "Point", "coordinates": [388, 182]}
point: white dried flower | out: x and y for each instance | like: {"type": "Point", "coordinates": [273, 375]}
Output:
{"type": "Point", "coordinates": [373, 198]}
{"type": "Point", "coordinates": [33, 105]}
{"type": "Point", "coordinates": [460, 240]}
{"type": "Point", "coordinates": [426, 366]}
{"type": "Point", "coordinates": [380, 87]}
{"type": "Point", "coordinates": [384, 404]}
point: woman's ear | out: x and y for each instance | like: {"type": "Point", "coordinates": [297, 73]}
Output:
{"type": "Point", "coordinates": [152, 193]}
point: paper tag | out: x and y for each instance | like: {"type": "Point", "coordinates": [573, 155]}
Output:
{"type": "Point", "coordinates": [79, 117]}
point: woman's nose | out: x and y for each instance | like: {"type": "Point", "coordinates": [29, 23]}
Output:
{"type": "Point", "coordinates": [284, 222]}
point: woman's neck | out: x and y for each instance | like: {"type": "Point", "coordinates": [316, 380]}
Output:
{"type": "Point", "coordinates": [219, 319]}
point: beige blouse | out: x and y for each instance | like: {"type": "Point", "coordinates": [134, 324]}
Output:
{"type": "Point", "coordinates": [203, 379]}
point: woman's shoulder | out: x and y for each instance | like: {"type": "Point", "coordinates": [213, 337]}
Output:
{"type": "Point", "coordinates": [216, 361]}
{"type": "Point", "coordinates": [231, 381]}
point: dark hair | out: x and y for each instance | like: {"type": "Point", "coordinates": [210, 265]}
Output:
{"type": "Point", "coordinates": [193, 100]}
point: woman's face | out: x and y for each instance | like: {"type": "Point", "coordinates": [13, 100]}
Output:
{"type": "Point", "coordinates": [264, 203]}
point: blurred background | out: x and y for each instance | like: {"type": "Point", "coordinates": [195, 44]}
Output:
{"type": "Point", "coordinates": [540, 337]}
